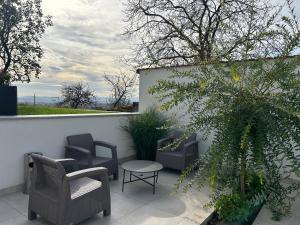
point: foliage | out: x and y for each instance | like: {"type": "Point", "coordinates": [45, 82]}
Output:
{"type": "Point", "coordinates": [232, 207]}
{"type": "Point", "coordinates": [22, 24]}
{"type": "Point", "coordinates": [145, 130]}
{"type": "Point", "coordinates": [121, 88]}
{"type": "Point", "coordinates": [251, 108]}
{"type": "Point", "coordinates": [236, 207]}
{"type": "Point", "coordinates": [77, 95]}
{"type": "Point", "coordinates": [254, 184]}
{"type": "Point", "coordinates": [25, 109]}
{"type": "Point", "coordinates": [172, 32]}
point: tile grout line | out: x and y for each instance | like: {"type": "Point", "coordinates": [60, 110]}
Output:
{"type": "Point", "coordinates": [12, 207]}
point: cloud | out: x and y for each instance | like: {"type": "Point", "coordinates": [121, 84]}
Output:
{"type": "Point", "coordinates": [83, 44]}
{"type": "Point", "coordinates": [54, 69]}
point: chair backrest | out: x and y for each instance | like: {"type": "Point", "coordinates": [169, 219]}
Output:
{"type": "Point", "coordinates": [178, 134]}
{"type": "Point", "coordinates": [82, 140]}
{"type": "Point", "coordinates": [47, 173]}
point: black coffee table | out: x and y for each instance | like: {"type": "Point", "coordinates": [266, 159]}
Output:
{"type": "Point", "coordinates": [139, 169]}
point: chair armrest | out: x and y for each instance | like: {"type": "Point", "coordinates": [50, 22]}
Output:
{"type": "Point", "coordinates": [66, 161]}
{"type": "Point", "coordinates": [105, 144]}
{"type": "Point", "coordinates": [112, 147]}
{"type": "Point", "coordinates": [70, 150]}
{"type": "Point", "coordinates": [190, 147]}
{"type": "Point", "coordinates": [91, 172]}
{"type": "Point", "coordinates": [163, 141]}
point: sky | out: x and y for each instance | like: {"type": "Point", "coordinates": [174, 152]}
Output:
{"type": "Point", "coordinates": [84, 44]}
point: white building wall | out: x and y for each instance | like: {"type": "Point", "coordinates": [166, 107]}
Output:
{"type": "Point", "coordinates": [148, 78]}
{"type": "Point", "coordinates": [47, 134]}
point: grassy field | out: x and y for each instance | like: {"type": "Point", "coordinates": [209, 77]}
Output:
{"type": "Point", "coordinates": [47, 110]}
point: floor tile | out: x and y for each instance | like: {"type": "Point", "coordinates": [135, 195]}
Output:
{"type": "Point", "coordinates": [189, 205]}
{"type": "Point", "coordinates": [143, 192]}
{"type": "Point", "coordinates": [150, 216]}
{"type": "Point", "coordinates": [24, 221]}
{"type": "Point", "coordinates": [100, 219]}
{"type": "Point", "coordinates": [187, 222]}
{"type": "Point", "coordinates": [7, 213]}
{"type": "Point", "coordinates": [265, 216]}
{"type": "Point", "coordinates": [18, 201]}
{"type": "Point", "coordinates": [121, 205]}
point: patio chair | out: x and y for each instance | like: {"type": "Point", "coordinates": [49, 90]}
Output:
{"type": "Point", "coordinates": [82, 147]}
{"type": "Point", "coordinates": [62, 198]}
{"type": "Point", "coordinates": [181, 157]}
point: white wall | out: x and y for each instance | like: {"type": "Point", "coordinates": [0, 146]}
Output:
{"type": "Point", "coordinates": [149, 77]}
{"type": "Point", "coordinates": [47, 134]}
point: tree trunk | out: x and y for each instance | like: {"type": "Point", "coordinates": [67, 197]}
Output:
{"type": "Point", "coordinates": [243, 171]}
{"type": "Point", "coordinates": [76, 104]}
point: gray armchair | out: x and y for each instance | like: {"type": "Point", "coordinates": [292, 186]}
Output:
{"type": "Point", "coordinates": [181, 157]}
{"type": "Point", "coordinates": [62, 198]}
{"type": "Point", "coordinates": [82, 147]}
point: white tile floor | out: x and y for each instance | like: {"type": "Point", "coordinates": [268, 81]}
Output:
{"type": "Point", "coordinates": [138, 206]}
{"type": "Point", "coordinates": [265, 216]}
{"type": "Point", "coordinates": [135, 206]}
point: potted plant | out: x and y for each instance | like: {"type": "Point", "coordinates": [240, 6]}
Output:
{"type": "Point", "coordinates": [8, 96]}
{"type": "Point", "coordinates": [21, 26]}
{"type": "Point", "coordinates": [145, 130]}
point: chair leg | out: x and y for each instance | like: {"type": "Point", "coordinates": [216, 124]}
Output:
{"type": "Point", "coordinates": [31, 215]}
{"type": "Point", "coordinates": [116, 176]}
{"type": "Point", "coordinates": [61, 221]}
{"type": "Point", "coordinates": [106, 212]}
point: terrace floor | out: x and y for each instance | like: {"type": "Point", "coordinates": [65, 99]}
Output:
{"type": "Point", "coordinates": [135, 206]}
{"type": "Point", "coordinates": [138, 206]}
{"type": "Point", "coordinates": [265, 215]}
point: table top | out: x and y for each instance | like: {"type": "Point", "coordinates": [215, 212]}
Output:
{"type": "Point", "coordinates": [142, 166]}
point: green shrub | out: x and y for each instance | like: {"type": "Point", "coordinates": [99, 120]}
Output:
{"type": "Point", "coordinates": [145, 130]}
{"type": "Point", "coordinates": [255, 184]}
{"type": "Point", "coordinates": [232, 207]}
{"type": "Point", "coordinates": [249, 110]}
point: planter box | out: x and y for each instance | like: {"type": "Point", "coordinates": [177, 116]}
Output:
{"type": "Point", "coordinates": [8, 100]}
{"type": "Point", "coordinates": [213, 217]}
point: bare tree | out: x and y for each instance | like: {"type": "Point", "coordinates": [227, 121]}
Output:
{"type": "Point", "coordinates": [22, 24]}
{"type": "Point", "coordinates": [121, 87]}
{"type": "Point", "coordinates": [172, 32]}
{"type": "Point", "coordinates": [77, 95]}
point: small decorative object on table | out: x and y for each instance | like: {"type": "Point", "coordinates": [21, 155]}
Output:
{"type": "Point", "coordinates": [137, 169]}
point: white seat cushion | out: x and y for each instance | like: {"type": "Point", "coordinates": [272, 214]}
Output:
{"type": "Point", "coordinates": [83, 186]}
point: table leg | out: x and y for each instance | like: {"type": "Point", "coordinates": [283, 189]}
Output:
{"type": "Point", "coordinates": [154, 177]}
{"type": "Point", "coordinates": [130, 175]}
{"type": "Point", "coordinates": [123, 181]}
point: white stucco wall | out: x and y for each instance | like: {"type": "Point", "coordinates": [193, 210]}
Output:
{"type": "Point", "coordinates": [149, 77]}
{"type": "Point", "coordinates": [47, 134]}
